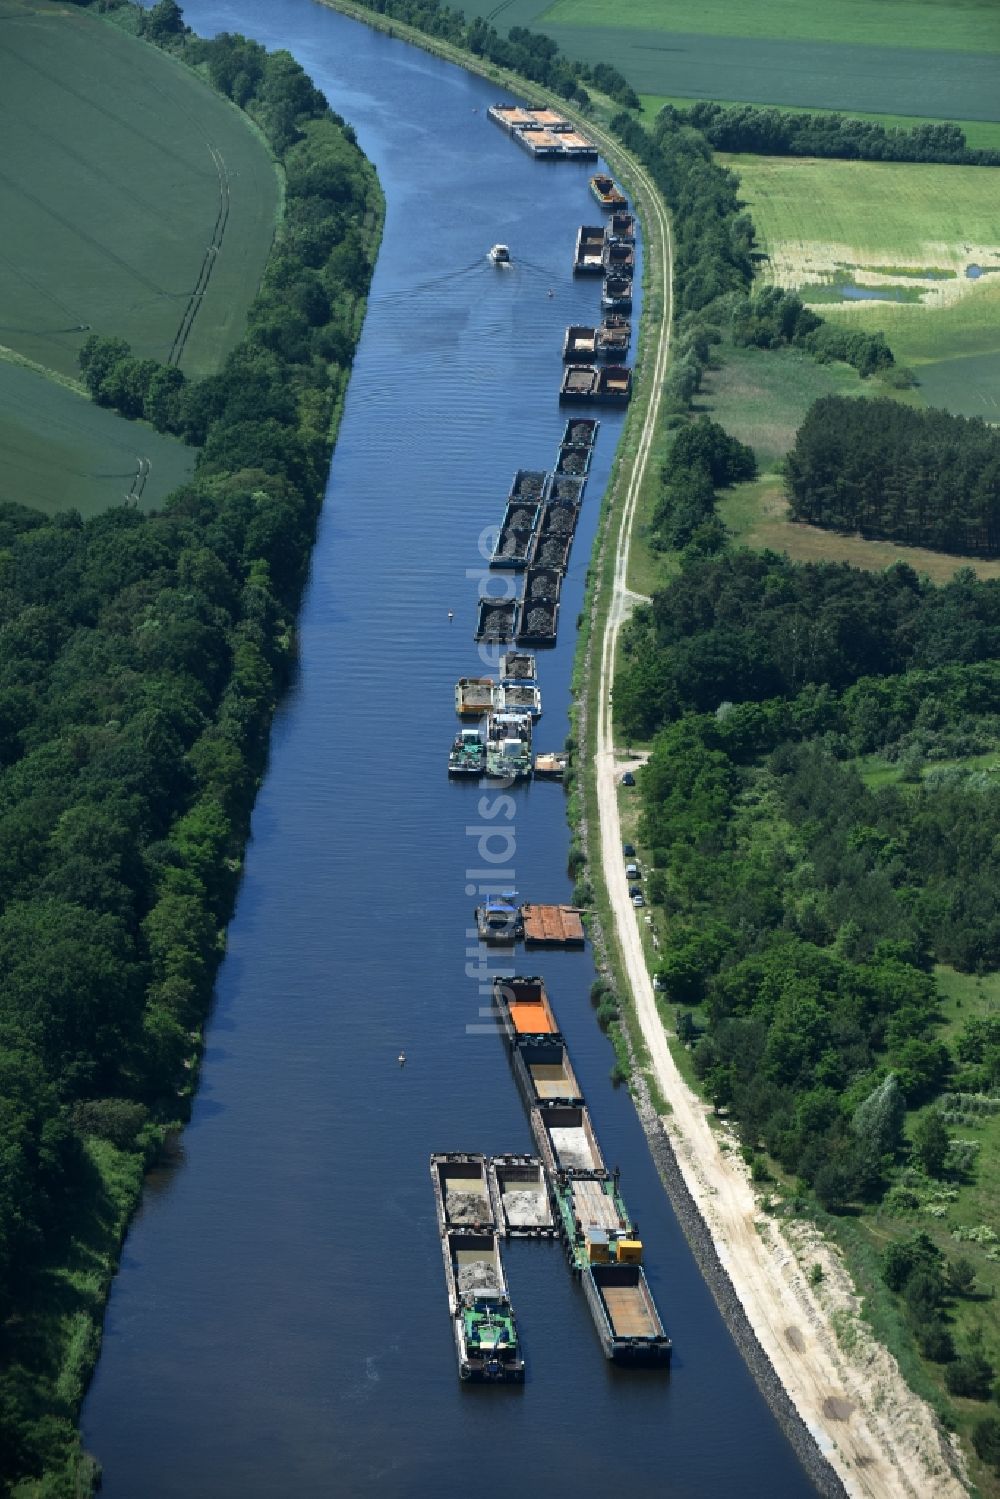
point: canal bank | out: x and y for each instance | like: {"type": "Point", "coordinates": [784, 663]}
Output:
{"type": "Point", "coordinates": [278, 1324]}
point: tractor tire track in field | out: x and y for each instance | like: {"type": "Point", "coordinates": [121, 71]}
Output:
{"type": "Point", "coordinates": [208, 263]}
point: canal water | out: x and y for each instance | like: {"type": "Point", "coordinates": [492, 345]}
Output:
{"type": "Point", "coordinates": [279, 1325]}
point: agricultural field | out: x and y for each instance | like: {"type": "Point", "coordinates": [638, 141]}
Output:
{"type": "Point", "coordinates": [761, 398]}
{"type": "Point", "coordinates": [58, 450]}
{"type": "Point", "coordinates": [130, 193]}
{"type": "Point", "coordinates": [926, 58]}
{"type": "Point", "coordinates": [911, 249]}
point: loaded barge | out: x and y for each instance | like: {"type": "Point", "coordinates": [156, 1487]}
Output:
{"type": "Point", "coordinates": [607, 192]}
{"type": "Point", "coordinates": [588, 257]}
{"type": "Point", "coordinates": [523, 1008]}
{"type": "Point", "coordinates": [516, 530]}
{"type": "Point", "coordinates": [610, 385]}
{"type": "Point", "coordinates": [517, 697]}
{"type": "Point", "coordinates": [614, 336]}
{"type": "Point", "coordinates": [544, 1073]}
{"type": "Point", "coordinates": [497, 619]}
{"type": "Point", "coordinates": [551, 766]}
{"type": "Point", "coordinates": [542, 132]}
{"type": "Point", "coordinates": [483, 1325]}
{"type": "Point", "coordinates": [517, 666]}
{"type": "Point", "coordinates": [520, 1195]}
{"type": "Point", "coordinates": [552, 926]}
{"type": "Point", "coordinates": [581, 432]}
{"type": "Point", "coordinates": [473, 696]}
{"type": "Point", "coordinates": [537, 622]}
{"type": "Point", "coordinates": [566, 1141]}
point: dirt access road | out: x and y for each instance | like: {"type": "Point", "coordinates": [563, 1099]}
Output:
{"type": "Point", "coordinates": [881, 1439]}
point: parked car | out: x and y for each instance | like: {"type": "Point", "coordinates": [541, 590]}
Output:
{"type": "Point", "coordinates": [632, 872]}
{"type": "Point", "coordinates": [628, 779]}
{"type": "Point", "coordinates": [628, 850]}
{"type": "Point", "coordinates": [637, 900]}
{"type": "Point", "coordinates": [634, 890]}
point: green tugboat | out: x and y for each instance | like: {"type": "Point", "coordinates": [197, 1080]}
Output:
{"type": "Point", "coordinates": [508, 746]}
{"type": "Point", "coordinates": [468, 754]}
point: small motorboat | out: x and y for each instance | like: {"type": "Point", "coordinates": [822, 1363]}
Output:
{"type": "Point", "coordinates": [500, 255]}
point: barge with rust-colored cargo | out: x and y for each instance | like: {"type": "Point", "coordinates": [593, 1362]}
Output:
{"type": "Point", "coordinates": [521, 1203]}
{"type": "Point", "coordinates": [625, 1315]}
{"type": "Point", "coordinates": [474, 696]}
{"type": "Point", "coordinates": [607, 192]}
{"type": "Point", "coordinates": [523, 1008]}
{"type": "Point", "coordinates": [553, 926]}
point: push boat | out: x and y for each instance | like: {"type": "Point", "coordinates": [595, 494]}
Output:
{"type": "Point", "coordinates": [508, 746]}
{"type": "Point", "coordinates": [467, 756]}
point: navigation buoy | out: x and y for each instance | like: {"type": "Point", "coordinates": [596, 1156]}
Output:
{"type": "Point", "coordinates": [401, 1059]}
{"type": "Point", "coordinates": [551, 292]}
{"type": "Point", "coordinates": [451, 615]}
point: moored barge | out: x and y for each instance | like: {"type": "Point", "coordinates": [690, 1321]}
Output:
{"type": "Point", "coordinates": [607, 192]}
{"type": "Point", "coordinates": [553, 926]}
{"type": "Point", "coordinates": [566, 1141]}
{"type": "Point", "coordinates": [485, 1331]}
{"type": "Point", "coordinates": [609, 385]}
{"type": "Point", "coordinates": [618, 257]}
{"type": "Point", "coordinates": [474, 696]}
{"type": "Point", "coordinates": [518, 666]}
{"type": "Point", "coordinates": [565, 489]}
{"type": "Point", "coordinates": [552, 549]}
{"type": "Point", "coordinates": [588, 257]}
{"type": "Point", "coordinates": [574, 460]}
{"type": "Point", "coordinates": [614, 336]}
{"type": "Point", "coordinates": [514, 538]}
{"type": "Point", "coordinates": [498, 920]}
{"type": "Point", "coordinates": [523, 1008]}
{"type": "Point", "coordinates": [581, 432]}
{"type": "Point", "coordinates": [461, 1191]}
{"type": "Point", "coordinates": [537, 623]}
{"type": "Point", "coordinates": [520, 1192]}
{"type": "Point", "coordinates": [621, 225]}
{"type": "Point", "coordinates": [517, 697]}
{"type": "Point", "coordinates": [497, 619]}
{"type": "Point", "coordinates": [625, 1315]}
{"type": "Point", "coordinates": [544, 1073]}
{"type": "Point", "coordinates": [579, 343]}
{"type": "Point", "coordinates": [508, 746]}
{"type": "Point", "coordinates": [594, 1223]}
{"type": "Point", "coordinates": [467, 757]}
{"type": "Point", "coordinates": [551, 766]}
{"type": "Point", "coordinates": [616, 292]}
{"type": "Point", "coordinates": [529, 485]}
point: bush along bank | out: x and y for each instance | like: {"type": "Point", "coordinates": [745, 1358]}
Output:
{"type": "Point", "coordinates": [141, 658]}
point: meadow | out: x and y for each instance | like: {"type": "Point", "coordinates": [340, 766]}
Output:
{"type": "Point", "coordinates": [124, 175]}
{"type": "Point", "coordinates": [59, 450]}
{"type": "Point", "coordinates": [905, 232]}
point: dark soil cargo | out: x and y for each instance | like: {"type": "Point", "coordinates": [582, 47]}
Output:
{"type": "Point", "coordinates": [497, 619]}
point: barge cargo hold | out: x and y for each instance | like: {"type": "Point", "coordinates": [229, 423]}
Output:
{"type": "Point", "coordinates": [514, 537]}
{"type": "Point", "coordinates": [609, 385]}
{"type": "Point", "coordinates": [621, 225]}
{"type": "Point", "coordinates": [553, 926]}
{"type": "Point", "coordinates": [520, 1192]}
{"type": "Point", "coordinates": [552, 549]}
{"type": "Point", "coordinates": [588, 257]}
{"type": "Point", "coordinates": [566, 1141]}
{"type": "Point", "coordinates": [467, 756]}
{"type": "Point", "coordinates": [581, 432]}
{"type": "Point", "coordinates": [498, 920]}
{"type": "Point", "coordinates": [565, 489]}
{"type": "Point", "coordinates": [607, 192]}
{"type": "Point", "coordinates": [579, 343]}
{"type": "Point", "coordinates": [462, 1191]}
{"type": "Point", "coordinates": [544, 1073]}
{"type": "Point", "coordinates": [518, 666]}
{"type": "Point", "coordinates": [497, 620]}
{"type": "Point", "coordinates": [537, 623]}
{"type": "Point", "coordinates": [483, 1324]}
{"type": "Point", "coordinates": [616, 293]}
{"type": "Point", "coordinates": [529, 486]}
{"type": "Point", "coordinates": [551, 767]}
{"type": "Point", "coordinates": [523, 1007]}
{"type": "Point", "coordinates": [625, 1315]}
{"type": "Point", "coordinates": [574, 461]}
{"type": "Point", "coordinates": [613, 337]}
{"type": "Point", "coordinates": [508, 746]}
{"type": "Point", "coordinates": [517, 697]}
{"type": "Point", "coordinates": [619, 258]}
{"type": "Point", "coordinates": [474, 696]}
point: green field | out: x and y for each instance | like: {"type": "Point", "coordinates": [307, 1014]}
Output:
{"type": "Point", "coordinates": [895, 230]}
{"type": "Point", "coordinates": [123, 175]}
{"type": "Point", "coordinates": [959, 25]}
{"type": "Point", "coordinates": [58, 450]}
{"type": "Point", "coordinates": [982, 135]}
{"type": "Point", "coordinates": [922, 58]}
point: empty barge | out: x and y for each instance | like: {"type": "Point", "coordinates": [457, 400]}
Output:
{"type": "Point", "coordinates": [607, 192]}
{"type": "Point", "coordinates": [566, 1140]}
{"type": "Point", "coordinates": [473, 696]}
{"type": "Point", "coordinates": [461, 1191]}
{"type": "Point", "coordinates": [544, 1072]}
{"type": "Point", "coordinates": [523, 1007]}
{"type": "Point", "coordinates": [553, 926]}
{"type": "Point", "coordinates": [616, 292]}
{"type": "Point", "coordinates": [579, 343]}
{"type": "Point", "coordinates": [520, 1192]}
{"type": "Point", "coordinates": [625, 1315]}
{"type": "Point", "coordinates": [588, 257]}
{"type": "Point", "coordinates": [497, 619]}
{"type": "Point", "coordinates": [621, 225]}
{"type": "Point", "coordinates": [485, 1332]}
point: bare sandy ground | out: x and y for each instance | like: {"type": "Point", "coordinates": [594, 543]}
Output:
{"type": "Point", "coordinates": [881, 1439]}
